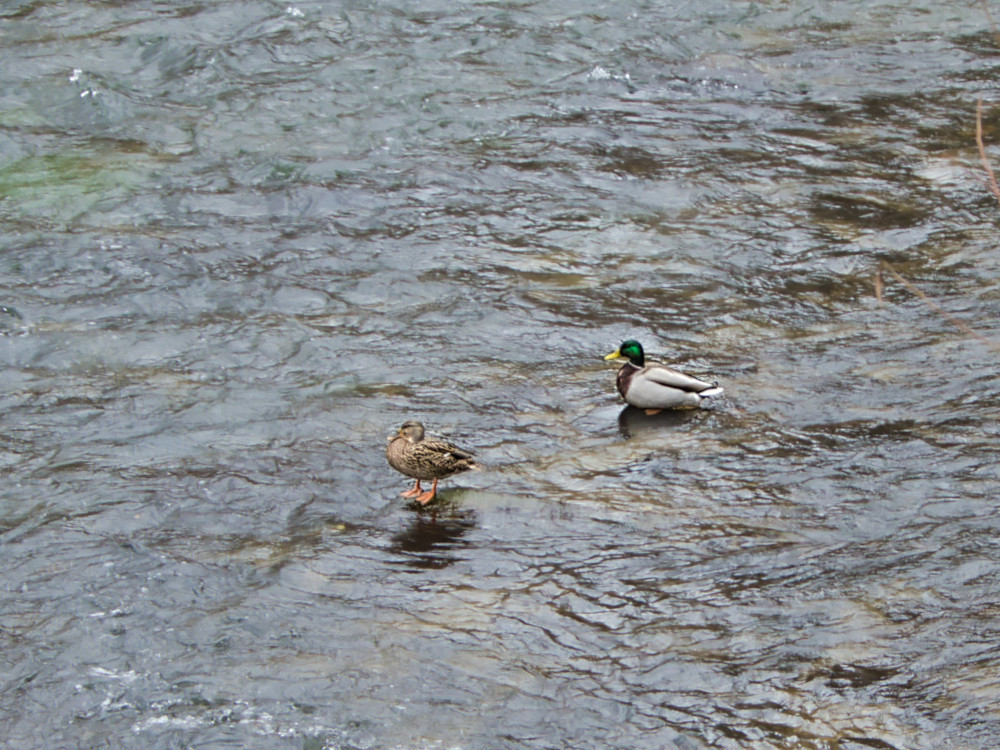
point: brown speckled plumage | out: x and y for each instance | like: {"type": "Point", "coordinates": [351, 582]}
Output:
{"type": "Point", "coordinates": [410, 453]}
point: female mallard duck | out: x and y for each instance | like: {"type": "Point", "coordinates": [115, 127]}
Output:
{"type": "Point", "coordinates": [410, 454]}
{"type": "Point", "coordinates": [654, 386]}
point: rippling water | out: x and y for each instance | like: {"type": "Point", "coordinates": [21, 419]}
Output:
{"type": "Point", "coordinates": [243, 242]}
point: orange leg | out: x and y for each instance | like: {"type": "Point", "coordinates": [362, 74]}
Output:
{"type": "Point", "coordinates": [651, 412]}
{"type": "Point", "coordinates": [416, 490]}
{"type": "Point", "coordinates": [426, 497]}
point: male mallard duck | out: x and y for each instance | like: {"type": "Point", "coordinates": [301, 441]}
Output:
{"type": "Point", "coordinates": [410, 454]}
{"type": "Point", "coordinates": [655, 387]}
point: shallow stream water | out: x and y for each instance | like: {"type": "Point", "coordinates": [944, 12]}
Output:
{"type": "Point", "coordinates": [242, 242]}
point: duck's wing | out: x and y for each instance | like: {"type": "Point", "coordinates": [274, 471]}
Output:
{"type": "Point", "coordinates": [662, 375]}
{"type": "Point", "coordinates": [444, 455]}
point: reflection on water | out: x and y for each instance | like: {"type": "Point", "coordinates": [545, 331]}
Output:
{"type": "Point", "coordinates": [633, 421]}
{"type": "Point", "coordinates": [242, 242]}
{"type": "Point", "coordinates": [435, 537]}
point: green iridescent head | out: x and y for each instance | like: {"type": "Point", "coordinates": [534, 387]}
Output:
{"type": "Point", "coordinates": [631, 350]}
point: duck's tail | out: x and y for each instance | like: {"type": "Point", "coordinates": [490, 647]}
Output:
{"type": "Point", "coordinates": [708, 394]}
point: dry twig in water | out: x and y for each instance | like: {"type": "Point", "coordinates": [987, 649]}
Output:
{"type": "Point", "coordinates": [994, 188]}
{"type": "Point", "coordinates": [989, 17]}
{"type": "Point", "coordinates": [960, 325]}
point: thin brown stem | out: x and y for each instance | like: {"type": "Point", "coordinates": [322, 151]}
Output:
{"type": "Point", "coordinates": [960, 325]}
{"type": "Point", "coordinates": [989, 17]}
{"type": "Point", "coordinates": [994, 188]}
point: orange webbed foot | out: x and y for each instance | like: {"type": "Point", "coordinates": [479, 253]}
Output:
{"type": "Point", "coordinates": [425, 497]}
{"type": "Point", "coordinates": [412, 492]}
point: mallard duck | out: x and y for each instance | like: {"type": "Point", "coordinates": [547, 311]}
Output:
{"type": "Point", "coordinates": [654, 387]}
{"type": "Point", "coordinates": [410, 454]}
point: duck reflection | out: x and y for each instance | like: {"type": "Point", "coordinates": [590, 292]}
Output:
{"type": "Point", "coordinates": [434, 537]}
{"type": "Point", "coordinates": [633, 422]}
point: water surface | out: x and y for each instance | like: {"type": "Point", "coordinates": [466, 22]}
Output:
{"type": "Point", "coordinates": [243, 242]}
